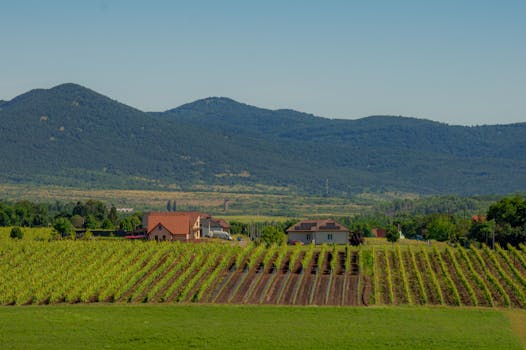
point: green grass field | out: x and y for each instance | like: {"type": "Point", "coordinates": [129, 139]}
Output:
{"type": "Point", "coordinates": [247, 327]}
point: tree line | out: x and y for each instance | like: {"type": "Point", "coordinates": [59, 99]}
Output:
{"type": "Point", "coordinates": [66, 218]}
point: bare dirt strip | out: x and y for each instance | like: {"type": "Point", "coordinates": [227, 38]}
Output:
{"type": "Point", "coordinates": [338, 275]}
{"type": "Point", "coordinates": [249, 278]}
{"type": "Point", "coordinates": [323, 282]}
{"type": "Point", "coordinates": [309, 277]}
{"type": "Point", "coordinates": [352, 294]}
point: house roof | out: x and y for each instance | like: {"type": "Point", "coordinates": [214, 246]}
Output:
{"type": "Point", "coordinates": [177, 223]}
{"type": "Point", "coordinates": [215, 221]}
{"type": "Point", "coordinates": [316, 226]}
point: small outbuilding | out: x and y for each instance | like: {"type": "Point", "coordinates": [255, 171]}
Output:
{"type": "Point", "coordinates": [210, 224]}
{"type": "Point", "coordinates": [318, 232]}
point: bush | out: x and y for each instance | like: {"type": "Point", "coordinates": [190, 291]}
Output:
{"type": "Point", "coordinates": [392, 233]}
{"type": "Point", "coordinates": [16, 233]}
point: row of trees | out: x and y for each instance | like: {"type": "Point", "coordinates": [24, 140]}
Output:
{"type": "Point", "coordinates": [504, 222]}
{"type": "Point", "coordinates": [67, 217]}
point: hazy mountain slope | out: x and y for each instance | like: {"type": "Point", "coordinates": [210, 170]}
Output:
{"type": "Point", "coordinates": [73, 135]}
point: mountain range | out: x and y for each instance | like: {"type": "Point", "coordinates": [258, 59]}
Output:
{"type": "Point", "coordinates": [71, 135]}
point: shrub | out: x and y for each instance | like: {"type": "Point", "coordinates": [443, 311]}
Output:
{"type": "Point", "coordinates": [16, 233]}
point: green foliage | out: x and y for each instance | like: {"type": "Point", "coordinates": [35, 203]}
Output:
{"type": "Point", "coordinates": [64, 227]}
{"type": "Point", "coordinates": [129, 223]}
{"type": "Point", "coordinates": [237, 227]}
{"type": "Point", "coordinates": [508, 223]}
{"type": "Point", "coordinates": [392, 235]}
{"type": "Point", "coordinates": [481, 231]}
{"type": "Point", "coordinates": [107, 224]}
{"type": "Point", "coordinates": [271, 235]}
{"type": "Point", "coordinates": [77, 221]}
{"type": "Point", "coordinates": [440, 228]}
{"type": "Point", "coordinates": [16, 233]}
{"type": "Point", "coordinates": [24, 213]}
{"type": "Point", "coordinates": [509, 210]}
{"type": "Point", "coordinates": [91, 223]}
{"type": "Point", "coordinates": [114, 218]}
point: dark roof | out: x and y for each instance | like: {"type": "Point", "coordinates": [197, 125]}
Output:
{"type": "Point", "coordinates": [317, 225]}
{"type": "Point", "coordinates": [215, 221]}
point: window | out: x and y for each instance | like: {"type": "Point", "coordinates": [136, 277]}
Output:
{"type": "Point", "coordinates": [164, 237]}
{"type": "Point", "coordinates": [329, 236]}
{"type": "Point", "coordinates": [159, 227]}
{"type": "Point", "coordinates": [156, 237]}
{"type": "Point", "coordinates": [308, 237]}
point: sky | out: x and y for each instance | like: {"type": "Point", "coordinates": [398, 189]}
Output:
{"type": "Point", "coordinates": [455, 61]}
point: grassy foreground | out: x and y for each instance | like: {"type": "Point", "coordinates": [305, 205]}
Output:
{"type": "Point", "coordinates": [245, 327]}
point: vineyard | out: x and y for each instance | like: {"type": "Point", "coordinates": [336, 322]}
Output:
{"type": "Point", "coordinates": [39, 272]}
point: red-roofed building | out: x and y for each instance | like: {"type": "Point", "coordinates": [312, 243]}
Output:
{"type": "Point", "coordinates": [478, 218]}
{"type": "Point", "coordinates": [379, 232]}
{"type": "Point", "coordinates": [318, 232]}
{"type": "Point", "coordinates": [172, 226]}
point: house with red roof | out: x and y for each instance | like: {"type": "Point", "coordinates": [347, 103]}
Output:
{"type": "Point", "coordinates": [318, 232]}
{"type": "Point", "coordinates": [172, 226]}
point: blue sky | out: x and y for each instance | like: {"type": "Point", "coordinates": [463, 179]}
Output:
{"type": "Point", "coordinates": [460, 62]}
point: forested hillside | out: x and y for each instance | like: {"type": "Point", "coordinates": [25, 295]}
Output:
{"type": "Point", "coordinates": [70, 135]}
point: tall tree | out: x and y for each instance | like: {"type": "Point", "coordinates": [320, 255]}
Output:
{"type": "Point", "coordinates": [113, 216]}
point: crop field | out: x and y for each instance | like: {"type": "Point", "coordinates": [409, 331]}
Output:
{"type": "Point", "coordinates": [262, 201]}
{"type": "Point", "coordinates": [169, 326]}
{"type": "Point", "coordinates": [40, 272]}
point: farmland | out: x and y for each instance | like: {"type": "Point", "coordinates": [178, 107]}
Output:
{"type": "Point", "coordinates": [41, 272]}
{"type": "Point", "coordinates": [259, 201]}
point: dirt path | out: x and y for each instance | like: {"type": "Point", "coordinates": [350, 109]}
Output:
{"type": "Point", "coordinates": [518, 323]}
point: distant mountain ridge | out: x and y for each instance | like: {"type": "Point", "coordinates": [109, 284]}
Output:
{"type": "Point", "coordinates": [71, 135]}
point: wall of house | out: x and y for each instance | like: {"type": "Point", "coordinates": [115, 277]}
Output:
{"type": "Point", "coordinates": [337, 237]}
{"type": "Point", "coordinates": [196, 230]}
{"type": "Point", "coordinates": [160, 234]}
{"type": "Point", "coordinates": [320, 237]}
{"type": "Point", "coordinates": [163, 235]}
{"type": "Point", "coordinates": [306, 238]}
